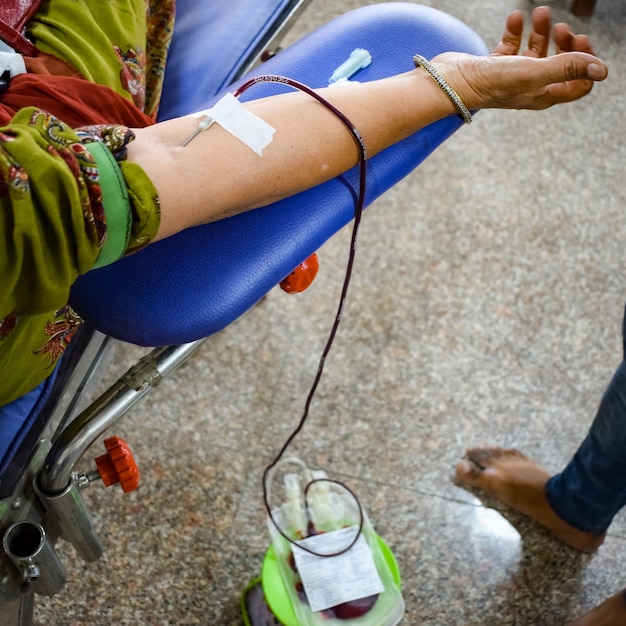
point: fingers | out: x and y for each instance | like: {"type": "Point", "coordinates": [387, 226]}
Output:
{"type": "Point", "coordinates": [539, 39]}
{"type": "Point", "coordinates": [541, 34]}
{"type": "Point", "coordinates": [512, 36]}
{"type": "Point", "coordinates": [582, 44]}
{"type": "Point", "coordinates": [566, 41]}
{"type": "Point", "coordinates": [532, 80]}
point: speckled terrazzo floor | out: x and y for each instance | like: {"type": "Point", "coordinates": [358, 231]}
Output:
{"type": "Point", "coordinates": [485, 308]}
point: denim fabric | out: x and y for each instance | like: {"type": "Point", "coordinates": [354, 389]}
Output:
{"type": "Point", "coordinates": [592, 487]}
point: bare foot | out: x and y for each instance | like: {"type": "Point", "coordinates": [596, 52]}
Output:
{"type": "Point", "coordinates": [611, 612]}
{"type": "Point", "coordinates": [517, 481]}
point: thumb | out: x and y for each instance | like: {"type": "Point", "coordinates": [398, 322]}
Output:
{"type": "Point", "coordinates": [569, 76]}
{"type": "Point", "coordinates": [575, 66]}
{"type": "Point", "coordinates": [539, 83]}
{"type": "Point", "coordinates": [597, 71]}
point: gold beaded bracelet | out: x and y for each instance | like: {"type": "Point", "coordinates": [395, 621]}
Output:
{"type": "Point", "coordinates": [464, 112]}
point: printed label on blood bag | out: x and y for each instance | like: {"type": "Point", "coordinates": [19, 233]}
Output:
{"type": "Point", "coordinates": [329, 581]}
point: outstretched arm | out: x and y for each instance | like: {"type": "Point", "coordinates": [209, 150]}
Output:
{"type": "Point", "coordinates": [216, 176]}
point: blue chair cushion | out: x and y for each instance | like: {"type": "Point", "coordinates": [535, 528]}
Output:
{"type": "Point", "coordinates": [199, 281]}
{"type": "Point", "coordinates": [211, 42]}
{"type": "Point", "coordinates": [20, 424]}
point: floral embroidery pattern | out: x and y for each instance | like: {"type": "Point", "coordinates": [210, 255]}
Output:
{"type": "Point", "coordinates": [7, 325]}
{"type": "Point", "coordinates": [19, 178]}
{"type": "Point", "coordinates": [12, 175]}
{"type": "Point", "coordinates": [132, 74]}
{"type": "Point", "coordinates": [61, 330]}
{"type": "Point", "coordinates": [160, 26]}
{"type": "Point", "coordinates": [64, 143]}
{"type": "Point", "coordinates": [114, 137]}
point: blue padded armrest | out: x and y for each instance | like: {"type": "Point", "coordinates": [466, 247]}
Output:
{"type": "Point", "coordinates": [199, 281]}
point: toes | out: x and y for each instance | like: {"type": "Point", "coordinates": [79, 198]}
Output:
{"type": "Point", "coordinates": [492, 456]}
{"type": "Point", "coordinates": [483, 457]}
{"type": "Point", "coordinates": [468, 472]}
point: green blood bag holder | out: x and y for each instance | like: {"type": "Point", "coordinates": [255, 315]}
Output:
{"type": "Point", "coordinates": [276, 596]}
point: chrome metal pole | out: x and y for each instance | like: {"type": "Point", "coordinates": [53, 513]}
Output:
{"type": "Point", "coordinates": [74, 441]}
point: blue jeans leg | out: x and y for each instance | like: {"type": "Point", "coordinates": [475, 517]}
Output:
{"type": "Point", "coordinates": [592, 488]}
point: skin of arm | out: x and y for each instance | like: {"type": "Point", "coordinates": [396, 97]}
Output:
{"type": "Point", "coordinates": [216, 176]}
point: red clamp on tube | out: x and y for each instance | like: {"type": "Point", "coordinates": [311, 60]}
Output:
{"type": "Point", "coordinates": [302, 276]}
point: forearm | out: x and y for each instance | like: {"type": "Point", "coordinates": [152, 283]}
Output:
{"type": "Point", "coordinates": [216, 175]}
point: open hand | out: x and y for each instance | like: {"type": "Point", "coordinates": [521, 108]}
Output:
{"type": "Point", "coordinates": [531, 80]}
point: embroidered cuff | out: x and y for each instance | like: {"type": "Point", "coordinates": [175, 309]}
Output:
{"type": "Point", "coordinates": [117, 208]}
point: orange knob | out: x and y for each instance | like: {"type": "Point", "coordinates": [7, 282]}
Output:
{"type": "Point", "coordinates": [302, 276]}
{"type": "Point", "coordinates": [118, 465]}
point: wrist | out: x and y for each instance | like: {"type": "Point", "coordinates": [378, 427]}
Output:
{"type": "Point", "coordinates": [442, 83]}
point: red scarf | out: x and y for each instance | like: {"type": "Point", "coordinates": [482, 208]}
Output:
{"type": "Point", "coordinates": [72, 99]}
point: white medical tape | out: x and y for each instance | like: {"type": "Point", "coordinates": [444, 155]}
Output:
{"type": "Point", "coordinates": [240, 122]}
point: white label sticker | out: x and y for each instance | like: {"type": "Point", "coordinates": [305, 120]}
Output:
{"type": "Point", "coordinates": [329, 581]}
{"type": "Point", "coordinates": [240, 122]}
